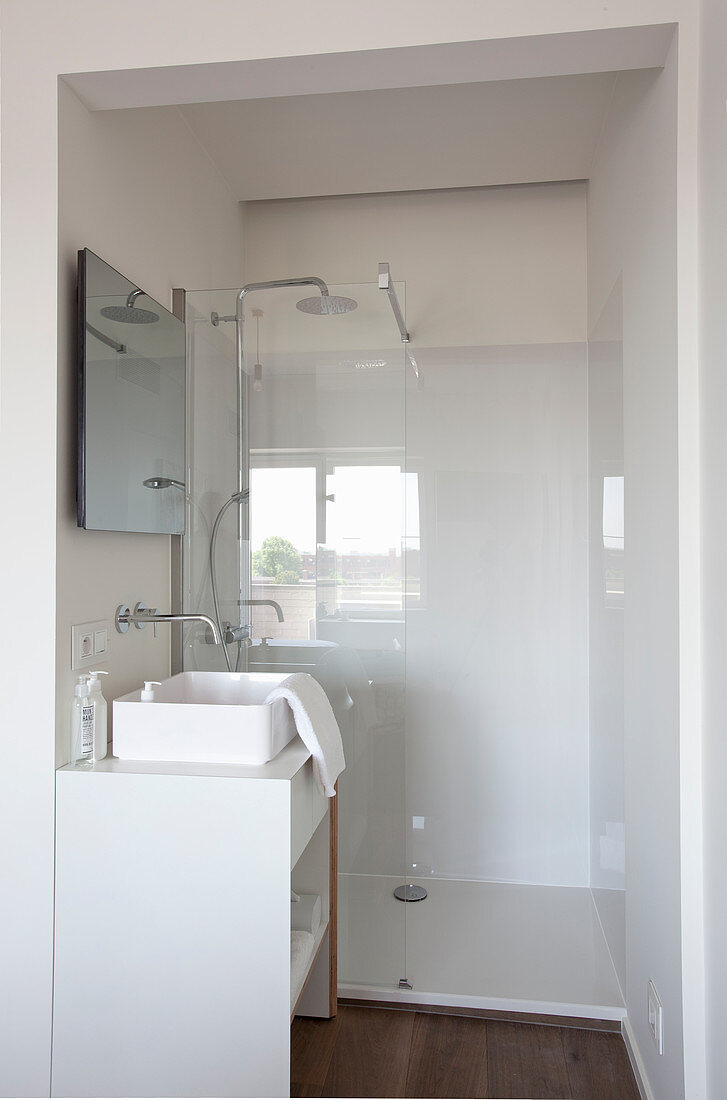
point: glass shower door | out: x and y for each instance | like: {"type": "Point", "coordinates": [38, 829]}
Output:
{"type": "Point", "coordinates": [211, 472]}
{"type": "Point", "coordinates": [360, 610]}
{"type": "Point", "coordinates": [325, 424]}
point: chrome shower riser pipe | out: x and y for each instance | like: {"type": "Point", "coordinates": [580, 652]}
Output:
{"type": "Point", "coordinates": [243, 448]}
{"type": "Point", "coordinates": [243, 472]}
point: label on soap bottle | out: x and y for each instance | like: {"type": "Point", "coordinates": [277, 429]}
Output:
{"type": "Point", "coordinates": [87, 728]}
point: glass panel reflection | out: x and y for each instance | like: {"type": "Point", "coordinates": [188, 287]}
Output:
{"type": "Point", "coordinates": [132, 406]}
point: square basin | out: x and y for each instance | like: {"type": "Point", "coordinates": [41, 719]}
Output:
{"type": "Point", "coordinates": [205, 718]}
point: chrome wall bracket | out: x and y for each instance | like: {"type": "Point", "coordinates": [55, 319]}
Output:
{"type": "Point", "coordinates": [108, 340]}
{"type": "Point", "coordinates": [385, 283]}
{"type": "Point", "coordinates": [121, 618]}
{"type": "Point", "coordinates": [124, 616]}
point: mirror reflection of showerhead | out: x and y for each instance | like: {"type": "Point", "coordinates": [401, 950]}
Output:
{"type": "Point", "coordinates": [130, 314]}
{"type": "Point", "coordinates": [326, 305]}
{"type": "Point", "coordinates": [163, 483]}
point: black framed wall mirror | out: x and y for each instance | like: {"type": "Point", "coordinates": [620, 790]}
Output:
{"type": "Point", "coordinates": [131, 405]}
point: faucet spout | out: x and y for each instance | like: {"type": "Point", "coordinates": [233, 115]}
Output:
{"type": "Point", "coordinates": [266, 603]}
{"type": "Point", "coordinates": [141, 615]}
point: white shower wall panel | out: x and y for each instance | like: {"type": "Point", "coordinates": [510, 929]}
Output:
{"type": "Point", "coordinates": [496, 655]}
{"type": "Point", "coordinates": [492, 782]}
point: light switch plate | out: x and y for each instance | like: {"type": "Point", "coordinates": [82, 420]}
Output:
{"type": "Point", "coordinates": [90, 642]}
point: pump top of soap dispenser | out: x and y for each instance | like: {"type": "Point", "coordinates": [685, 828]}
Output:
{"type": "Point", "coordinates": [82, 685]}
{"type": "Point", "coordinates": [94, 684]}
{"type": "Point", "coordinates": [147, 695]}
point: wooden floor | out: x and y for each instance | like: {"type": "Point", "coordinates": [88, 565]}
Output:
{"type": "Point", "coordinates": [383, 1052]}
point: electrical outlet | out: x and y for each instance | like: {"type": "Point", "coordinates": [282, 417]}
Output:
{"type": "Point", "coordinates": [90, 641]}
{"type": "Point", "coordinates": [656, 1024]}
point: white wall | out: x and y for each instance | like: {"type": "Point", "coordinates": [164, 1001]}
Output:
{"type": "Point", "coordinates": [632, 233]}
{"type": "Point", "coordinates": [135, 188]}
{"type": "Point", "coordinates": [713, 380]}
{"type": "Point", "coordinates": [496, 656]}
{"type": "Point", "coordinates": [497, 653]}
{"type": "Point", "coordinates": [31, 63]}
{"type": "Point", "coordinates": [482, 267]}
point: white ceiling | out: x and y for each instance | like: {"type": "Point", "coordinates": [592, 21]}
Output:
{"type": "Point", "coordinates": [402, 139]}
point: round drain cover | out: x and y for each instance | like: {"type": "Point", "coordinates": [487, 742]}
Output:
{"type": "Point", "coordinates": [410, 892]}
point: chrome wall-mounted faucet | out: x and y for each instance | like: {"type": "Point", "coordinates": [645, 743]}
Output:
{"type": "Point", "coordinates": [142, 615]}
{"type": "Point", "coordinates": [242, 634]}
{"type": "Point", "coordinates": [265, 603]}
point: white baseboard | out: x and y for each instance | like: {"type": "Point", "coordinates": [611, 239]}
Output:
{"type": "Point", "coordinates": [494, 1004]}
{"type": "Point", "coordinates": [637, 1062]}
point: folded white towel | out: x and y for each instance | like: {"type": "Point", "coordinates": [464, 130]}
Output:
{"type": "Point", "coordinates": [301, 950]}
{"type": "Point", "coordinates": [305, 913]}
{"type": "Point", "coordinates": [317, 726]}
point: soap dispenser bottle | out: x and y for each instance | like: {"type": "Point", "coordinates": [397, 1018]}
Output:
{"type": "Point", "coordinates": [82, 724]}
{"type": "Point", "coordinates": [100, 733]}
{"type": "Point", "coordinates": [147, 694]}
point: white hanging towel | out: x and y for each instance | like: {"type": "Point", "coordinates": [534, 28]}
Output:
{"type": "Point", "coordinates": [316, 723]}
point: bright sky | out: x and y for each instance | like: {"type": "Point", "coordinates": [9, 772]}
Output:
{"type": "Point", "coordinates": [366, 515]}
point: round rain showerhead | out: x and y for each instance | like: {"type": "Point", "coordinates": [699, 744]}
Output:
{"type": "Point", "coordinates": [130, 315]}
{"type": "Point", "coordinates": [327, 305]}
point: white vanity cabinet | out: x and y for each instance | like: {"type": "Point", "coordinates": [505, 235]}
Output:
{"type": "Point", "coordinates": [172, 939]}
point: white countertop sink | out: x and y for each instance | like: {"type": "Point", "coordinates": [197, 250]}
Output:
{"type": "Point", "coordinates": [205, 717]}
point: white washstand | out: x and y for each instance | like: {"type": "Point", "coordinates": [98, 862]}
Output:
{"type": "Point", "coordinates": [173, 878]}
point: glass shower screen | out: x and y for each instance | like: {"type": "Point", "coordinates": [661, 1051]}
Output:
{"type": "Point", "coordinates": [315, 565]}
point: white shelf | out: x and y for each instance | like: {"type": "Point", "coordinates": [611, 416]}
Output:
{"type": "Point", "coordinates": [317, 943]}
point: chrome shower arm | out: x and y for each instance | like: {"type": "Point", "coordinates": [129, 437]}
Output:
{"type": "Point", "coordinates": [119, 348]}
{"type": "Point", "coordinates": [131, 300]}
{"type": "Point", "coordinates": [273, 284]}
